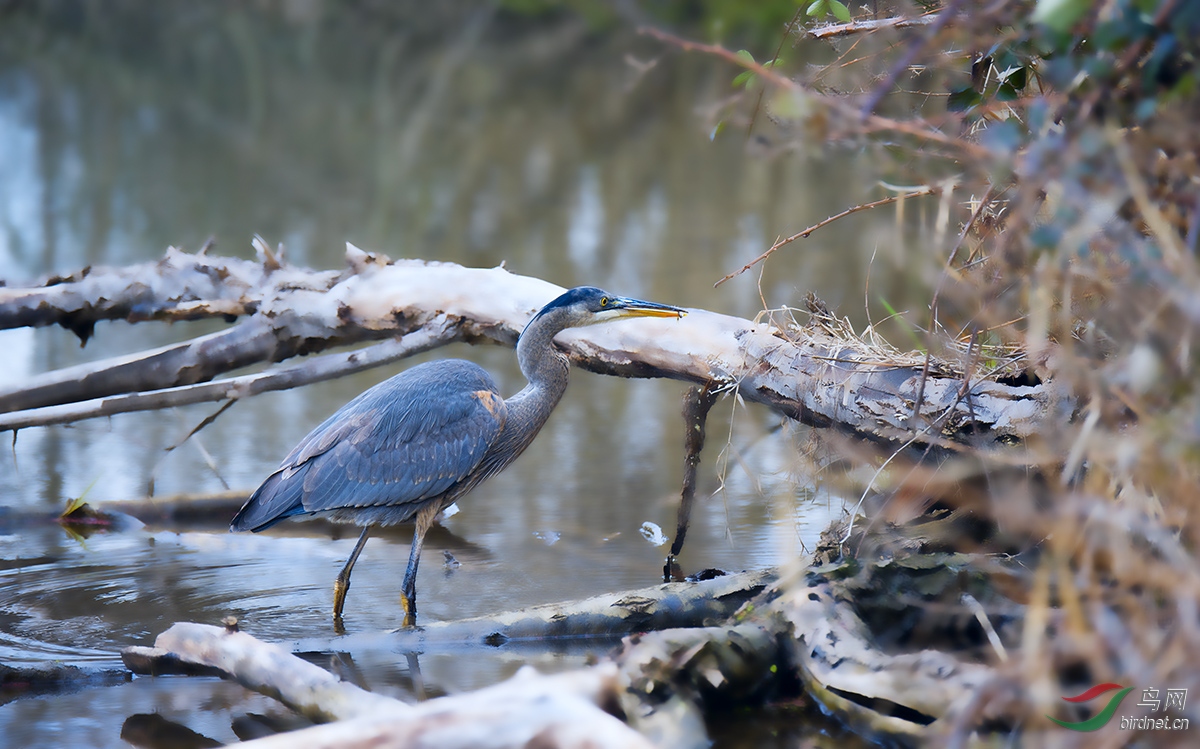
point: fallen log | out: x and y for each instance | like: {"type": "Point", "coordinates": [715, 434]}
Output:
{"type": "Point", "coordinates": [806, 373]}
{"type": "Point", "coordinates": [208, 509]}
{"type": "Point", "coordinates": [529, 709]}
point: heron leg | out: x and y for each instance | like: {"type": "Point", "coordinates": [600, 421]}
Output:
{"type": "Point", "coordinates": [342, 583]}
{"type": "Point", "coordinates": [408, 595]}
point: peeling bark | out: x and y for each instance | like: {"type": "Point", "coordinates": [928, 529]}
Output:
{"type": "Point", "coordinates": [814, 378]}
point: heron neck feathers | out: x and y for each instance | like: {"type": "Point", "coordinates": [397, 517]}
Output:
{"type": "Point", "coordinates": [543, 365]}
{"type": "Point", "coordinates": [546, 368]}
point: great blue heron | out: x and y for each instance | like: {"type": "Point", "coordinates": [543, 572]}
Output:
{"type": "Point", "coordinates": [413, 444]}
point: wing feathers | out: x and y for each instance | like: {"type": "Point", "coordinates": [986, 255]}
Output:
{"type": "Point", "coordinates": [405, 441]}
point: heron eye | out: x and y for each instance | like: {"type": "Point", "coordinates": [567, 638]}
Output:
{"type": "Point", "coordinates": [603, 301]}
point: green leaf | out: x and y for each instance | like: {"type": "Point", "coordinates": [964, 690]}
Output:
{"type": "Point", "coordinates": [840, 11]}
{"type": "Point", "coordinates": [1060, 15]}
{"type": "Point", "coordinates": [1005, 92]}
{"type": "Point", "coordinates": [963, 99]}
{"type": "Point", "coordinates": [743, 78]}
{"type": "Point", "coordinates": [818, 9]}
{"type": "Point", "coordinates": [1015, 77]}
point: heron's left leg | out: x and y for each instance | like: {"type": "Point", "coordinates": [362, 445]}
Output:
{"type": "Point", "coordinates": [342, 583]}
{"type": "Point", "coordinates": [408, 595]}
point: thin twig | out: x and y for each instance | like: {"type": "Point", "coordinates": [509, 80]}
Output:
{"type": "Point", "coordinates": [928, 190]}
{"type": "Point", "coordinates": [171, 448]}
{"type": "Point", "coordinates": [774, 61]}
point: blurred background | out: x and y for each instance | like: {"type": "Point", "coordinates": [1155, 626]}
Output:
{"type": "Point", "coordinates": [550, 137]}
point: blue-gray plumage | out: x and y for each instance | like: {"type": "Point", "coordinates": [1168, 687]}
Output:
{"type": "Point", "coordinates": [385, 453]}
{"type": "Point", "coordinates": [413, 444]}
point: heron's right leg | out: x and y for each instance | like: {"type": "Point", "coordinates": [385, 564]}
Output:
{"type": "Point", "coordinates": [342, 583]}
{"type": "Point", "coordinates": [408, 595]}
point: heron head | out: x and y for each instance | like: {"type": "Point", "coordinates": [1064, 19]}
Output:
{"type": "Point", "coordinates": [587, 305]}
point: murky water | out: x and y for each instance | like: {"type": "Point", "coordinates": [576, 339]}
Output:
{"type": "Point", "coordinates": [566, 153]}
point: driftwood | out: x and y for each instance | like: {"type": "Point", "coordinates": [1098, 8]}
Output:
{"type": "Point", "coordinates": [309, 690]}
{"type": "Point", "coordinates": [840, 666]}
{"type": "Point", "coordinates": [801, 373]}
{"type": "Point", "coordinates": [529, 709]}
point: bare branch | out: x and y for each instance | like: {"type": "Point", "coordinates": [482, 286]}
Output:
{"type": "Point", "coordinates": [871, 24]}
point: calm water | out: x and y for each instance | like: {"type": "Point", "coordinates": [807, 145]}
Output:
{"type": "Point", "coordinates": [479, 139]}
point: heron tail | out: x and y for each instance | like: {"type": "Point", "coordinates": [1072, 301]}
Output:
{"type": "Point", "coordinates": [277, 499]}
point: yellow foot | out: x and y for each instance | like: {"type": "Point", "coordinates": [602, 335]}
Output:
{"type": "Point", "coordinates": [410, 610]}
{"type": "Point", "coordinates": [339, 597]}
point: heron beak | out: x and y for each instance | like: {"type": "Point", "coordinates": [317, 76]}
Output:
{"type": "Point", "coordinates": [625, 307]}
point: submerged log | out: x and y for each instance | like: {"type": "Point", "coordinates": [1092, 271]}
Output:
{"type": "Point", "coordinates": [668, 605]}
{"type": "Point", "coordinates": [54, 678]}
{"type": "Point", "coordinates": [803, 373]}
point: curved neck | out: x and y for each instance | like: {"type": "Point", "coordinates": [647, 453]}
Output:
{"type": "Point", "coordinates": [543, 365]}
{"type": "Point", "coordinates": [546, 369]}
